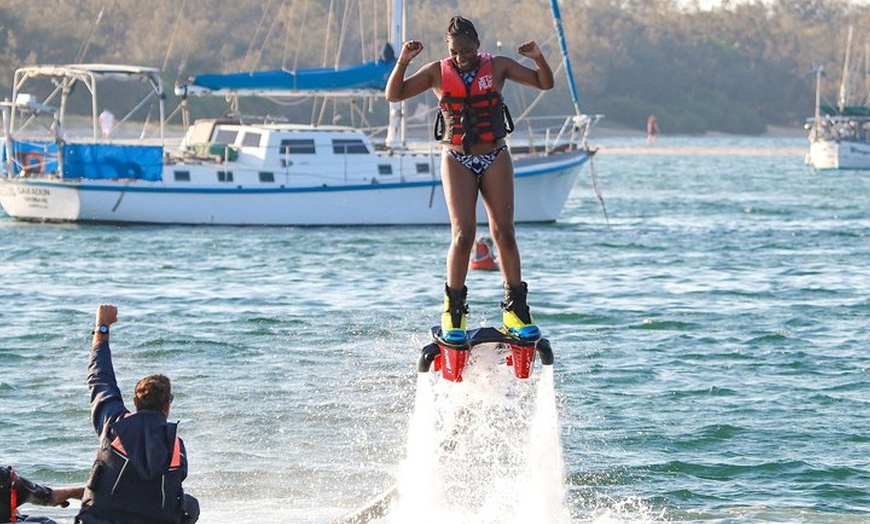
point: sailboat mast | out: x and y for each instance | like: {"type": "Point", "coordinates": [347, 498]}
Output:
{"type": "Point", "coordinates": [844, 80]}
{"type": "Point", "coordinates": [866, 73]}
{"type": "Point", "coordinates": [563, 46]}
{"type": "Point", "coordinates": [817, 120]}
{"type": "Point", "coordinates": [396, 128]}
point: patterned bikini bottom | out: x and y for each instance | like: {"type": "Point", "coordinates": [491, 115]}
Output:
{"type": "Point", "coordinates": [477, 164]}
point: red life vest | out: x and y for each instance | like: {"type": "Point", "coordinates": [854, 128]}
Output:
{"type": "Point", "coordinates": [470, 116]}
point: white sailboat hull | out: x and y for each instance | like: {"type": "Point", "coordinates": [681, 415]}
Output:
{"type": "Point", "coordinates": [541, 189]}
{"type": "Point", "coordinates": [832, 154]}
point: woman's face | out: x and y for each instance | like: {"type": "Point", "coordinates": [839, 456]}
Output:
{"type": "Point", "coordinates": [463, 51]}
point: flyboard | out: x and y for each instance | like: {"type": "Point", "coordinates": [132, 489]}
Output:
{"type": "Point", "coordinates": [450, 359]}
{"type": "Point", "coordinates": [448, 362]}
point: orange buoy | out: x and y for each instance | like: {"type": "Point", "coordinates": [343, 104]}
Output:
{"type": "Point", "coordinates": [483, 255]}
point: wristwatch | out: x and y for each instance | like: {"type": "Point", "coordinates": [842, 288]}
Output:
{"type": "Point", "coordinates": [102, 329]}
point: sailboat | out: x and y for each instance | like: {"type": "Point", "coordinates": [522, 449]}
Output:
{"type": "Point", "coordinates": [231, 172]}
{"type": "Point", "coordinates": [840, 135]}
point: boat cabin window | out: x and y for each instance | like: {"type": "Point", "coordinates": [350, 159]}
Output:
{"type": "Point", "coordinates": [267, 176]}
{"type": "Point", "coordinates": [349, 147]}
{"type": "Point", "coordinates": [225, 176]}
{"type": "Point", "coordinates": [297, 147]}
{"type": "Point", "coordinates": [182, 176]}
{"type": "Point", "coordinates": [225, 136]}
{"type": "Point", "coordinates": [385, 169]}
{"type": "Point", "coordinates": [251, 140]}
{"type": "Point", "coordinates": [422, 168]}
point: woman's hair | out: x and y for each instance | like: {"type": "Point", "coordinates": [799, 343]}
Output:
{"type": "Point", "coordinates": [153, 392]}
{"type": "Point", "coordinates": [459, 26]}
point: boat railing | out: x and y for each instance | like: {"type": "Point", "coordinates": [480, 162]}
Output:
{"type": "Point", "coordinates": [537, 135]}
{"type": "Point", "coordinates": [853, 129]}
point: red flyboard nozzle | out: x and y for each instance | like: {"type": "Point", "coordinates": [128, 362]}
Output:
{"type": "Point", "coordinates": [522, 358]}
{"type": "Point", "coordinates": [453, 362]}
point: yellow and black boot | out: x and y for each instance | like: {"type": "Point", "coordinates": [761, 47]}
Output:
{"type": "Point", "coordinates": [516, 317]}
{"type": "Point", "coordinates": [453, 319]}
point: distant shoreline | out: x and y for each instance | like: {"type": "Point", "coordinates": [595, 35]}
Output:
{"type": "Point", "coordinates": [603, 130]}
{"type": "Point", "coordinates": [731, 151]}
{"type": "Point", "coordinates": [664, 145]}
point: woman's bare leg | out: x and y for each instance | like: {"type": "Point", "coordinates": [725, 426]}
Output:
{"type": "Point", "coordinates": [497, 189]}
{"type": "Point", "coordinates": [460, 192]}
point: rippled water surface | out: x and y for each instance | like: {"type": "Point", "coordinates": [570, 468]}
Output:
{"type": "Point", "coordinates": [711, 343]}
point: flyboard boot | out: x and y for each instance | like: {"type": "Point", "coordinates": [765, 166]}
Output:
{"type": "Point", "coordinates": [449, 348]}
{"type": "Point", "coordinates": [449, 358]}
{"type": "Point", "coordinates": [453, 322]}
{"type": "Point", "coordinates": [516, 318]}
{"type": "Point", "coordinates": [518, 323]}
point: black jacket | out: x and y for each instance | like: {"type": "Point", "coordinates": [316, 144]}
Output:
{"type": "Point", "coordinates": [141, 464]}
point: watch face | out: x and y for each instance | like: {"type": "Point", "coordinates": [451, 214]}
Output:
{"type": "Point", "coordinates": [104, 329]}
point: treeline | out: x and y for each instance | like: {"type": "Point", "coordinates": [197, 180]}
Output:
{"type": "Point", "coordinates": [736, 68]}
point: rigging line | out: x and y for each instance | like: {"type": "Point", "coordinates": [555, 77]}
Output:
{"type": "Point", "coordinates": [173, 113]}
{"type": "Point", "coordinates": [247, 63]}
{"type": "Point", "coordinates": [249, 52]}
{"type": "Point", "coordinates": [362, 34]}
{"type": "Point", "coordinates": [344, 22]}
{"type": "Point", "coordinates": [866, 72]}
{"type": "Point", "coordinates": [380, 23]}
{"type": "Point", "coordinates": [288, 102]}
{"type": "Point", "coordinates": [285, 14]}
{"type": "Point", "coordinates": [329, 21]}
{"type": "Point", "coordinates": [259, 54]}
{"type": "Point", "coordinates": [843, 99]}
{"type": "Point", "coordinates": [314, 102]}
{"type": "Point", "coordinates": [537, 99]}
{"type": "Point", "coordinates": [323, 109]}
{"type": "Point", "coordinates": [299, 39]}
{"type": "Point", "coordinates": [540, 94]}
{"type": "Point", "coordinates": [595, 186]}
{"type": "Point", "coordinates": [87, 43]}
{"type": "Point", "coordinates": [147, 121]}
{"type": "Point", "coordinates": [172, 36]}
{"type": "Point", "coordinates": [183, 62]}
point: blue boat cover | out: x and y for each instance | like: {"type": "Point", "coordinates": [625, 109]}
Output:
{"type": "Point", "coordinates": [106, 161]}
{"type": "Point", "coordinates": [39, 156]}
{"type": "Point", "coordinates": [369, 76]}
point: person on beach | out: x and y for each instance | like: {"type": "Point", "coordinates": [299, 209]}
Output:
{"type": "Point", "coordinates": [472, 124]}
{"type": "Point", "coordinates": [16, 490]}
{"type": "Point", "coordinates": [652, 129]}
{"type": "Point", "coordinates": [138, 473]}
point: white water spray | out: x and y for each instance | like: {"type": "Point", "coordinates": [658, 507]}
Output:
{"type": "Point", "coordinates": [485, 450]}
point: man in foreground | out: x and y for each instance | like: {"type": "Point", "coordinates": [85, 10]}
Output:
{"type": "Point", "coordinates": [141, 464]}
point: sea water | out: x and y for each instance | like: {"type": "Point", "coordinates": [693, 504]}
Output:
{"type": "Point", "coordinates": [710, 339]}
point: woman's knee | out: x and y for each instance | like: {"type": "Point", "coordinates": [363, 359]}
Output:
{"type": "Point", "coordinates": [463, 238]}
{"type": "Point", "coordinates": [503, 235]}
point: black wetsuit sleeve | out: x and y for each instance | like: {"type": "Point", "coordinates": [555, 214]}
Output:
{"type": "Point", "coordinates": [25, 491]}
{"type": "Point", "coordinates": [107, 405]}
